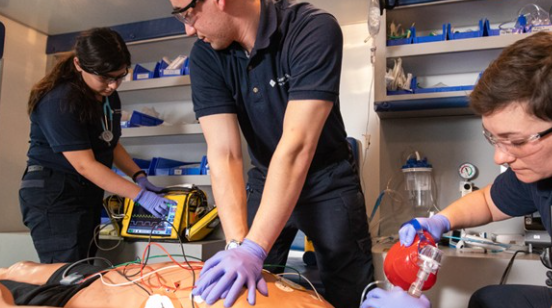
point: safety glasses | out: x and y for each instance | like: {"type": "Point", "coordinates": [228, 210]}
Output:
{"type": "Point", "coordinates": [519, 147]}
{"type": "Point", "coordinates": [184, 14]}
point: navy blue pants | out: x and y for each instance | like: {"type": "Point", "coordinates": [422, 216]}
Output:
{"type": "Point", "coordinates": [514, 296]}
{"type": "Point", "coordinates": [61, 210]}
{"type": "Point", "coordinates": [331, 213]}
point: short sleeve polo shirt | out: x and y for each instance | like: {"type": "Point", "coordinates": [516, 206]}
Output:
{"type": "Point", "coordinates": [297, 56]}
{"type": "Point", "coordinates": [55, 129]}
{"type": "Point", "coordinates": [516, 198]}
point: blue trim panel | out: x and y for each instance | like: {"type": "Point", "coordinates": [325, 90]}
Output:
{"type": "Point", "coordinates": [2, 39]}
{"type": "Point", "coordinates": [411, 2]}
{"type": "Point", "coordinates": [131, 32]}
{"type": "Point", "coordinates": [423, 104]}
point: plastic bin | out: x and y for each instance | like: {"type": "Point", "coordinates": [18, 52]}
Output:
{"type": "Point", "coordinates": [138, 119]}
{"type": "Point", "coordinates": [165, 166]}
{"type": "Point", "coordinates": [141, 73]}
{"type": "Point", "coordinates": [487, 31]}
{"type": "Point", "coordinates": [200, 168]}
{"type": "Point", "coordinates": [430, 38]}
{"type": "Point", "coordinates": [164, 72]}
{"type": "Point", "coordinates": [467, 34]}
{"type": "Point", "coordinates": [444, 89]}
{"type": "Point", "coordinates": [142, 163]}
{"type": "Point", "coordinates": [402, 41]}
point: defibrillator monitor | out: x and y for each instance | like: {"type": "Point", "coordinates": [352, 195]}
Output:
{"type": "Point", "coordinates": [142, 222]}
{"type": "Point", "coordinates": [190, 212]}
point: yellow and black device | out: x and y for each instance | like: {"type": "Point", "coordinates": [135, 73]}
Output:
{"type": "Point", "coordinates": [191, 216]}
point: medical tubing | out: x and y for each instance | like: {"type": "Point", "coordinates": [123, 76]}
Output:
{"type": "Point", "coordinates": [362, 297]}
{"type": "Point", "coordinates": [64, 274]}
{"type": "Point", "coordinates": [376, 206]}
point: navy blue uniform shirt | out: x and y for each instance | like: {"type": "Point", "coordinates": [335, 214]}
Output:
{"type": "Point", "coordinates": [54, 129]}
{"type": "Point", "coordinates": [297, 56]}
{"type": "Point", "coordinates": [515, 198]}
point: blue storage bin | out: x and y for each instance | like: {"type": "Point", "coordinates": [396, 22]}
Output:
{"type": "Point", "coordinates": [410, 2]}
{"type": "Point", "coordinates": [165, 166]}
{"type": "Point", "coordinates": [204, 165]}
{"type": "Point", "coordinates": [401, 41]}
{"type": "Point", "coordinates": [141, 73]}
{"type": "Point", "coordinates": [464, 35]}
{"type": "Point", "coordinates": [138, 119]}
{"type": "Point", "coordinates": [430, 38]}
{"type": "Point", "coordinates": [199, 168]}
{"type": "Point", "coordinates": [184, 70]}
{"type": "Point", "coordinates": [487, 31]}
{"type": "Point", "coordinates": [444, 89]}
{"type": "Point", "coordinates": [192, 169]}
{"type": "Point", "coordinates": [142, 163]}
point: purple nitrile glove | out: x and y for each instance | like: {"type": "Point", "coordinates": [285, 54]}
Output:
{"type": "Point", "coordinates": [394, 298]}
{"type": "Point", "coordinates": [436, 225]}
{"type": "Point", "coordinates": [144, 183]}
{"type": "Point", "coordinates": [156, 205]}
{"type": "Point", "coordinates": [225, 274]}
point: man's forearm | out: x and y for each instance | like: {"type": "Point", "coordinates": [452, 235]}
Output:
{"type": "Point", "coordinates": [285, 180]}
{"type": "Point", "coordinates": [230, 197]}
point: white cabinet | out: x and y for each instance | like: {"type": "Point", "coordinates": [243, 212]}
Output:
{"type": "Point", "coordinates": [451, 62]}
{"type": "Point", "coordinates": [180, 137]}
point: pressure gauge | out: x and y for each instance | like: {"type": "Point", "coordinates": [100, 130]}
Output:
{"type": "Point", "coordinates": [467, 171]}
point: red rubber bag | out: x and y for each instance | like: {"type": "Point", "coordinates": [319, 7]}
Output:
{"type": "Point", "coordinates": [401, 263]}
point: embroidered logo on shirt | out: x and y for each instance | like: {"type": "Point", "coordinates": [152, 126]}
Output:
{"type": "Point", "coordinates": [280, 81]}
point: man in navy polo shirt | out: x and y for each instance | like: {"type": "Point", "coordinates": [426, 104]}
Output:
{"type": "Point", "coordinates": [272, 69]}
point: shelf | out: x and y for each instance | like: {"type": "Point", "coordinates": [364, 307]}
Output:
{"type": "Point", "coordinates": [464, 13]}
{"type": "Point", "coordinates": [177, 134]}
{"type": "Point", "coordinates": [131, 247]}
{"type": "Point", "coordinates": [154, 83]}
{"type": "Point", "coordinates": [454, 46]}
{"type": "Point", "coordinates": [425, 96]}
{"type": "Point", "coordinates": [161, 130]}
{"type": "Point", "coordinates": [170, 180]}
{"type": "Point", "coordinates": [150, 91]}
{"type": "Point", "coordinates": [449, 252]}
{"type": "Point", "coordinates": [425, 105]}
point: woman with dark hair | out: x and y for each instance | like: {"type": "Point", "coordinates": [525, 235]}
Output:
{"type": "Point", "coordinates": [75, 115]}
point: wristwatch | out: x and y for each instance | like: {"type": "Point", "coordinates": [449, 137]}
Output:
{"type": "Point", "coordinates": [233, 244]}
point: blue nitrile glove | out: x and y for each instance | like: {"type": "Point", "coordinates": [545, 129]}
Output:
{"type": "Point", "coordinates": [436, 225]}
{"type": "Point", "coordinates": [144, 183]}
{"type": "Point", "coordinates": [225, 274]}
{"type": "Point", "coordinates": [394, 298]}
{"type": "Point", "coordinates": [156, 205]}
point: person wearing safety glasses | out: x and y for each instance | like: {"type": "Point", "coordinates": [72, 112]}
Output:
{"type": "Point", "coordinates": [75, 115]}
{"type": "Point", "coordinates": [514, 98]}
{"type": "Point", "coordinates": [272, 69]}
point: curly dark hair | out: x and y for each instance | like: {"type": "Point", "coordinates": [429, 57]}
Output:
{"type": "Point", "coordinates": [521, 74]}
{"type": "Point", "coordinates": [99, 50]}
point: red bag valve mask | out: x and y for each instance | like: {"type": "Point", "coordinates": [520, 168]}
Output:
{"type": "Point", "coordinates": [402, 264]}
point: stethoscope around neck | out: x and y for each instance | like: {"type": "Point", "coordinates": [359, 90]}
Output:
{"type": "Point", "coordinates": [107, 125]}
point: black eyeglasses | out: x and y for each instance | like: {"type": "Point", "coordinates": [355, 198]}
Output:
{"type": "Point", "coordinates": [106, 78]}
{"type": "Point", "coordinates": [110, 79]}
{"type": "Point", "coordinates": [183, 14]}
